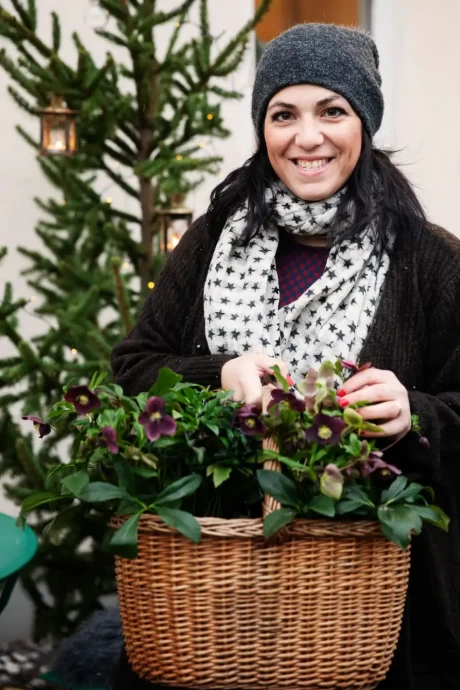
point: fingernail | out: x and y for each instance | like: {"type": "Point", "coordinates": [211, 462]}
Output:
{"type": "Point", "coordinates": [289, 380]}
{"type": "Point", "coordinates": [344, 402]}
{"type": "Point", "coordinates": [340, 392]}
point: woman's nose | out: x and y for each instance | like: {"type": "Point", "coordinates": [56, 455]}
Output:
{"type": "Point", "coordinates": [309, 135]}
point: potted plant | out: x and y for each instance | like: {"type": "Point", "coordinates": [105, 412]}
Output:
{"type": "Point", "coordinates": [244, 533]}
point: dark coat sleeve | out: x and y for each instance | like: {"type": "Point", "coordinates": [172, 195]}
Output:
{"type": "Point", "coordinates": [157, 339]}
{"type": "Point", "coordinates": [438, 407]}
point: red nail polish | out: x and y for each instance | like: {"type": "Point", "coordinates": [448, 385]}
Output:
{"type": "Point", "coordinates": [344, 402]}
{"type": "Point", "coordinates": [340, 392]}
{"type": "Point", "coordinates": [289, 380]}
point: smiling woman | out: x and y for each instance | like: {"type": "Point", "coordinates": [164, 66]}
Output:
{"type": "Point", "coordinates": [313, 138]}
{"type": "Point", "coordinates": [244, 291]}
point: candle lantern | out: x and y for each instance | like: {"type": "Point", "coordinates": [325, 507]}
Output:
{"type": "Point", "coordinates": [58, 129]}
{"type": "Point", "coordinates": [173, 223]}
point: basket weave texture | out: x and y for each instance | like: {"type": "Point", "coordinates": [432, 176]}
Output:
{"type": "Point", "coordinates": [321, 609]}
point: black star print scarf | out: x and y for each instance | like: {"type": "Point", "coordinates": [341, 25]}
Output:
{"type": "Point", "coordinates": [330, 320]}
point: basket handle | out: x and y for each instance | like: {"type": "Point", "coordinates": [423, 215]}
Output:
{"type": "Point", "coordinates": [269, 504]}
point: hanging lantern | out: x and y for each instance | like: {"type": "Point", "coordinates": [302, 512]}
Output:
{"type": "Point", "coordinates": [58, 129]}
{"type": "Point", "coordinates": [174, 222]}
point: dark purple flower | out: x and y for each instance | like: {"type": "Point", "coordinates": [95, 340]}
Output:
{"type": "Point", "coordinates": [352, 366]}
{"type": "Point", "coordinates": [109, 438]}
{"type": "Point", "coordinates": [280, 396]}
{"type": "Point", "coordinates": [375, 464]}
{"type": "Point", "coordinates": [424, 442]}
{"type": "Point", "coordinates": [325, 430]}
{"type": "Point", "coordinates": [42, 427]}
{"type": "Point", "coordinates": [157, 423]}
{"type": "Point", "coordinates": [250, 420]}
{"type": "Point", "coordinates": [84, 400]}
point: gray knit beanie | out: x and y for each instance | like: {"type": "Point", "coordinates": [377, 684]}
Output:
{"type": "Point", "coordinates": [340, 59]}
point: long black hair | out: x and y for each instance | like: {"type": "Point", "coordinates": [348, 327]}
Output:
{"type": "Point", "coordinates": [397, 214]}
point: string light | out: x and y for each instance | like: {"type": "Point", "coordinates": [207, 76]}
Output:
{"type": "Point", "coordinates": [108, 200]}
{"type": "Point", "coordinates": [126, 265]}
{"type": "Point", "coordinates": [151, 285]}
{"type": "Point", "coordinates": [73, 351]}
{"type": "Point", "coordinates": [177, 25]}
{"type": "Point", "coordinates": [210, 116]}
{"type": "Point", "coordinates": [202, 144]}
{"type": "Point", "coordinates": [179, 157]}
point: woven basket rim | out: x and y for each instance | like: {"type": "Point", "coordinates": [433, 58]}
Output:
{"type": "Point", "coordinates": [250, 528]}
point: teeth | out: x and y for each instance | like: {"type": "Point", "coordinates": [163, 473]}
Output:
{"type": "Point", "coordinates": [312, 165]}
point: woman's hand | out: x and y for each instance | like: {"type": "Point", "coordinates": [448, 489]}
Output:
{"type": "Point", "coordinates": [389, 408]}
{"type": "Point", "coordinates": [242, 375]}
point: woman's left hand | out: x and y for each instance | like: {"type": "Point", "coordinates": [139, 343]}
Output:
{"type": "Point", "coordinates": [389, 408]}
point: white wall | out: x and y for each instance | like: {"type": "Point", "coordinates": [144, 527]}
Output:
{"type": "Point", "coordinates": [420, 48]}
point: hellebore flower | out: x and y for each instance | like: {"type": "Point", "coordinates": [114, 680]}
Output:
{"type": "Point", "coordinates": [424, 442]}
{"type": "Point", "coordinates": [331, 482]}
{"type": "Point", "coordinates": [326, 430]}
{"type": "Point", "coordinates": [155, 420]}
{"type": "Point", "coordinates": [250, 421]}
{"type": "Point", "coordinates": [352, 366]}
{"type": "Point", "coordinates": [374, 463]}
{"type": "Point", "coordinates": [42, 427]}
{"type": "Point", "coordinates": [109, 438]}
{"type": "Point", "coordinates": [84, 400]}
{"type": "Point", "coordinates": [280, 396]}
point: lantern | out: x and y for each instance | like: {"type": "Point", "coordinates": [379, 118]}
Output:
{"type": "Point", "coordinates": [58, 129]}
{"type": "Point", "coordinates": [174, 222]}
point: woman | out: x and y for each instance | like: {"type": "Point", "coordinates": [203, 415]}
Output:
{"type": "Point", "coordinates": [318, 248]}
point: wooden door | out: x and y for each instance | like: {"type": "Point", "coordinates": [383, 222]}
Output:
{"type": "Point", "coordinates": [285, 13]}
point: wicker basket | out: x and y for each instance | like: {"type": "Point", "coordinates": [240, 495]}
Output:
{"type": "Point", "coordinates": [321, 608]}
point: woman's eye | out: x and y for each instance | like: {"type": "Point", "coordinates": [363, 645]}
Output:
{"type": "Point", "coordinates": [282, 116]}
{"type": "Point", "coordinates": [334, 112]}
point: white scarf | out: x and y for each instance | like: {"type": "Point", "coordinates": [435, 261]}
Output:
{"type": "Point", "coordinates": [330, 320]}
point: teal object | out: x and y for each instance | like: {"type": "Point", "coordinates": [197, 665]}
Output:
{"type": "Point", "coordinates": [17, 547]}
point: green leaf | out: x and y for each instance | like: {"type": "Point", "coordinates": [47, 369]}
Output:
{"type": "Point", "coordinates": [38, 499]}
{"type": "Point", "coordinates": [179, 489]}
{"type": "Point", "coordinates": [411, 491]}
{"type": "Point", "coordinates": [280, 487]}
{"type": "Point", "coordinates": [399, 522]}
{"type": "Point", "coordinates": [165, 381]}
{"type": "Point", "coordinates": [280, 379]}
{"type": "Point", "coordinates": [75, 483]}
{"type": "Point", "coordinates": [433, 515]}
{"type": "Point", "coordinates": [63, 520]}
{"type": "Point", "coordinates": [96, 380]}
{"type": "Point", "coordinates": [146, 472]}
{"type": "Point", "coordinates": [352, 418]}
{"type": "Point", "coordinates": [278, 519]}
{"type": "Point", "coordinates": [185, 523]}
{"type": "Point", "coordinates": [97, 492]}
{"type": "Point", "coordinates": [124, 540]}
{"type": "Point", "coordinates": [324, 505]}
{"type": "Point", "coordinates": [220, 474]}
{"type": "Point", "coordinates": [395, 488]}
{"type": "Point", "coordinates": [349, 506]}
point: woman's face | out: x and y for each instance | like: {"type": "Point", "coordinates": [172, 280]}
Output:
{"type": "Point", "coordinates": [313, 139]}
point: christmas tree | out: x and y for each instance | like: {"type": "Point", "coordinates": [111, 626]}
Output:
{"type": "Point", "coordinates": [138, 123]}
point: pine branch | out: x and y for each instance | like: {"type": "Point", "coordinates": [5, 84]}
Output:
{"type": "Point", "coordinates": [56, 32]}
{"type": "Point", "coordinates": [121, 295]}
